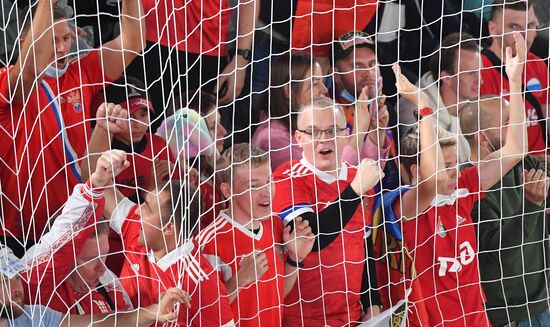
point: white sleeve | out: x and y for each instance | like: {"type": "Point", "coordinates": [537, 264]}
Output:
{"type": "Point", "coordinates": [220, 266]}
{"type": "Point", "coordinates": [76, 213]}
{"type": "Point", "coordinates": [120, 213]}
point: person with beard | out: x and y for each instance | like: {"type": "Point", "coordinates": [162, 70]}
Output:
{"type": "Point", "coordinates": [508, 16]}
{"type": "Point", "coordinates": [453, 81]}
{"type": "Point", "coordinates": [15, 313]}
{"type": "Point", "coordinates": [358, 89]}
{"type": "Point", "coordinates": [45, 115]}
{"type": "Point", "coordinates": [513, 237]}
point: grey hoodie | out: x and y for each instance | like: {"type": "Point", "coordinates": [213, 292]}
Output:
{"type": "Point", "coordinates": [407, 118]}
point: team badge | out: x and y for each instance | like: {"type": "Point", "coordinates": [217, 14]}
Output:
{"type": "Point", "coordinates": [440, 230]}
{"type": "Point", "coordinates": [73, 98]}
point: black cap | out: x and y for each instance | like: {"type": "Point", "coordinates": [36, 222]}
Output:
{"type": "Point", "coordinates": [346, 43]}
{"type": "Point", "coordinates": [129, 92]}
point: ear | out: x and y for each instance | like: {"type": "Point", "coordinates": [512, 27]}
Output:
{"type": "Point", "coordinates": [415, 173]}
{"type": "Point", "coordinates": [298, 137]}
{"type": "Point", "coordinates": [492, 28]}
{"type": "Point", "coordinates": [169, 229]}
{"type": "Point", "coordinates": [225, 188]}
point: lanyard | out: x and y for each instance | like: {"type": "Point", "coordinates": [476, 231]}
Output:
{"type": "Point", "coordinates": [70, 153]}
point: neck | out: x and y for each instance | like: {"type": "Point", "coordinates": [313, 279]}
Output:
{"type": "Point", "coordinates": [450, 97]}
{"type": "Point", "coordinates": [477, 154]}
{"type": "Point", "coordinates": [77, 284]}
{"type": "Point", "coordinates": [497, 49]}
{"type": "Point", "coordinates": [243, 219]}
{"type": "Point", "coordinates": [170, 246]}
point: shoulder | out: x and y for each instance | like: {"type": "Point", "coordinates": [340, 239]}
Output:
{"type": "Point", "coordinates": [294, 169]}
{"type": "Point", "coordinates": [208, 235]}
{"type": "Point", "coordinates": [469, 176]}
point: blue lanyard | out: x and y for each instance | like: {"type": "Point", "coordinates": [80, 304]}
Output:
{"type": "Point", "coordinates": [69, 151]}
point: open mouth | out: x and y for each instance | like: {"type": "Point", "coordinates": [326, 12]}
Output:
{"type": "Point", "coordinates": [264, 204]}
{"type": "Point", "coordinates": [325, 151]}
{"type": "Point", "coordinates": [61, 63]}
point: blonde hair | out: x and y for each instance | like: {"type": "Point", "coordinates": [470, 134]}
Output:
{"type": "Point", "coordinates": [238, 156]}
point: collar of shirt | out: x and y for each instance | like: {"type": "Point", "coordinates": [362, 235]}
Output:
{"type": "Point", "coordinates": [325, 176]}
{"type": "Point", "coordinates": [444, 200]}
{"type": "Point", "coordinates": [173, 256]}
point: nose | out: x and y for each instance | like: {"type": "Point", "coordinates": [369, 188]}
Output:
{"type": "Point", "coordinates": [62, 47]}
{"type": "Point", "coordinates": [100, 266]}
{"type": "Point", "coordinates": [322, 89]}
{"type": "Point", "coordinates": [221, 131]}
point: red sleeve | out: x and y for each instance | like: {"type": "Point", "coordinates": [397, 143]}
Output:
{"type": "Point", "coordinates": [469, 179]}
{"type": "Point", "coordinates": [126, 222]}
{"type": "Point", "coordinates": [490, 78]}
{"type": "Point", "coordinates": [293, 196]}
{"type": "Point", "coordinates": [92, 69]}
{"type": "Point", "coordinates": [5, 87]}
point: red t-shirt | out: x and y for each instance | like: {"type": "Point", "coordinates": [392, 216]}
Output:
{"type": "Point", "coordinates": [133, 179]}
{"type": "Point", "coordinates": [53, 259]}
{"type": "Point", "coordinates": [536, 81]}
{"type": "Point", "coordinates": [225, 242]}
{"type": "Point", "coordinates": [443, 245]}
{"type": "Point", "coordinates": [145, 278]}
{"type": "Point", "coordinates": [212, 202]}
{"type": "Point", "coordinates": [194, 26]}
{"type": "Point", "coordinates": [36, 174]}
{"type": "Point", "coordinates": [136, 176]}
{"type": "Point", "coordinates": [328, 288]}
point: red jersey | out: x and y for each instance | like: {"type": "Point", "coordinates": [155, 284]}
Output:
{"type": "Point", "coordinates": [37, 168]}
{"type": "Point", "coordinates": [443, 245]}
{"type": "Point", "coordinates": [194, 26]}
{"type": "Point", "coordinates": [134, 179]}
{"type": "Point", "coordinates": [328, 288]}
{"type": "Point", "coordinates": [260, 303]}
{"type": "Point", "coordinates": [212, 202]}
{"type": "Point", "coordinates": [536, 82]}
{"type": "Point", "coordinates": [141, 156]}
{"type": "Point", "coordinates": [146, 278]}
{"type": "Point", "coordinates": [314, 28]}
{"type": "Point", "coordinates": [53, 260]}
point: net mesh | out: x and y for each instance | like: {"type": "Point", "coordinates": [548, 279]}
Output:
{"type": "Point", "coordinates": [282, 162]}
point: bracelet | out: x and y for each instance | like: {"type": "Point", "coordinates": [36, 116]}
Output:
{"type": "Point", "coordinates": [426, 111]}
{"type": "Point", "coordinates": [294, 263]}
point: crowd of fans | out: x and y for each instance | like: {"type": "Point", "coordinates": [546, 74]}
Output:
{"type": "Point", "coordinates": [273, 164]}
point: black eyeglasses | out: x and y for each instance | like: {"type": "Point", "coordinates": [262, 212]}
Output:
{"type": "Point", "coordinates": [318, 133]}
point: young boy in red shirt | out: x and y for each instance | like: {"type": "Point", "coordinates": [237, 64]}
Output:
{"type": "Point", "coordinates": [246, 243]}
{"type": "Point", "coordinates": [437, 228]}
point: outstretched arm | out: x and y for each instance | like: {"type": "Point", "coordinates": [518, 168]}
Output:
{"type": "Point", "coordinates": [111, 119]}
{"type": "Point", "coordinates": [117, 54]}
{"type": "Point", "coordinates": [499, 163]}
{"type": "Point", "coordinates": [417, 200]}
{"type": "Point", "coordinates": [37, 51]}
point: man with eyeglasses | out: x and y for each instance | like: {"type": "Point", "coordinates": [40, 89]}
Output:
{"type": "Point", "coordinates": [510, 16]}
{"type": "Point", "coordinates": [337, 285]}
{"type": "Point", "coordinates": [358, 89]}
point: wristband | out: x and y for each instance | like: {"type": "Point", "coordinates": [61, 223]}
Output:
{"type": "Point", "coordinates": [426, 111]}
{"type": "Point", "coordinates": [294, 263]}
